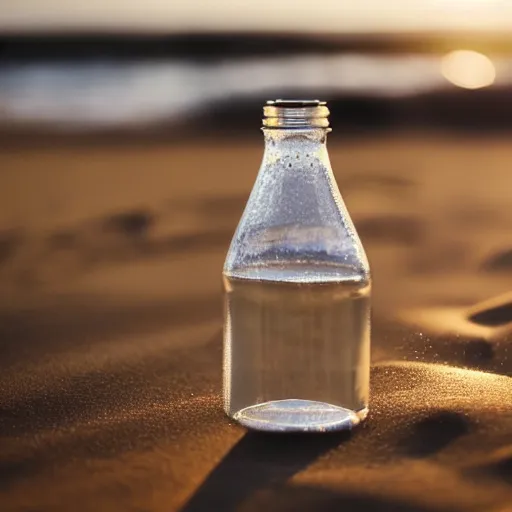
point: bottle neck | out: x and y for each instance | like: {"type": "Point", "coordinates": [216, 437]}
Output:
{"type": "Point", "coordinates": [295, 134]}
{"type": "Point", "coordinates": [295, 142]}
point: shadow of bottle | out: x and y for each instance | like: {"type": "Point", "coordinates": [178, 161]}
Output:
{"type": "Point", "coordinates": [257, 462]}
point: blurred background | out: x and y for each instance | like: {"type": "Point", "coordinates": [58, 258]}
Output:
{"type": "Point", "coordinates": [129, 143]}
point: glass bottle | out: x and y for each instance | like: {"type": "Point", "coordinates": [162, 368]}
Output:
{"type": "Point", "coordinates": [297, 288]}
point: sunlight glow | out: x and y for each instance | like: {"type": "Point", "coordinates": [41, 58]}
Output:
{"type": "Point", "coordinates": [468, 69]}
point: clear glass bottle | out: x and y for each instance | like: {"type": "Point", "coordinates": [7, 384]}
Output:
{"type": "Point", "coordinates": [297, 288]}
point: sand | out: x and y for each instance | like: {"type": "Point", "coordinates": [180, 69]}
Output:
{"type": "Point", "coordinates": [110, 331]}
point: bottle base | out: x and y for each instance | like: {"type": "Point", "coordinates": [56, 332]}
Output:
{"type": "Point", "coordinates": [299, 416]}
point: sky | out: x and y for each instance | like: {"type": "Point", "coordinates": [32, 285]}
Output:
{"type": "Point", "coordinates": [331, 16]}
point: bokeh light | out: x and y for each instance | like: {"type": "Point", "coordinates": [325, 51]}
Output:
{"type": "Point", "coordinates": [468, 69]}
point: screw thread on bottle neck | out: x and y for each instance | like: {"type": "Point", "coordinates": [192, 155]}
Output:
{"type": "Point", "coordinates": [295, 114]}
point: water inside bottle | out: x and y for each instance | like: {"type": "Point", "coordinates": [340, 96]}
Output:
{"type": "Point", "coordinates": [297, 347]}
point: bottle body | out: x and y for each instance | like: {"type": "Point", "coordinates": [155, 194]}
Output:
{"type": "Point", "coordinates": [297, 297]}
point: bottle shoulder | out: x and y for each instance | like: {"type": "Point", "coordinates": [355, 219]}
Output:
{"type": "Point", "coordinates": [295, 213]}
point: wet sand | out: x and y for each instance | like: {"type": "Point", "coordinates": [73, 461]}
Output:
{"type": "Point", "coordinates": [110, 331]}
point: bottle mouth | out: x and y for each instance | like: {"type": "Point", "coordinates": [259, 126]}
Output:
{"type": "Point", "coordinates": [295, 114]}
